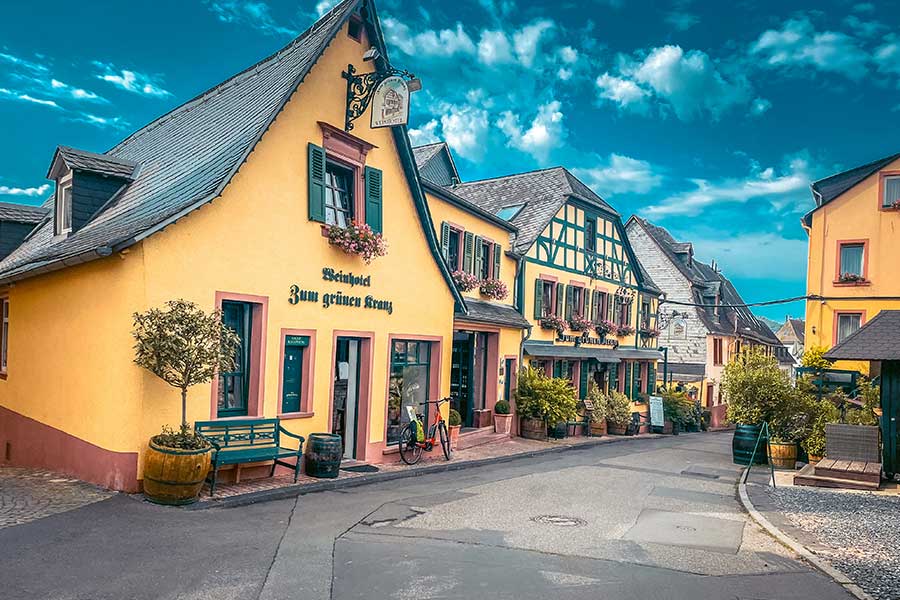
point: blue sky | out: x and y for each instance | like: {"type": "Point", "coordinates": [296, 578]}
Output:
{"type": "Point", "coordinates": [709, 118]}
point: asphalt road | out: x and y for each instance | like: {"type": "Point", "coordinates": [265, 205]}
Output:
{"type": "Point", "coordinates": [649, 519]}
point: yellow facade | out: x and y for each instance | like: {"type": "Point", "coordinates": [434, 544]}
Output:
{"type": "Point", "coordinates": [855, 216]}
{"type": "Point", "coordinates": [71, 350]}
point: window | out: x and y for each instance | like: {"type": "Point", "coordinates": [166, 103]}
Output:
{"type": "Point", "coordinates": [354, 28]}
{"type": "Point", "coordinates": [547, 289]}
{"type": "Point", "coordinates": [508, 213]}
{"type": "Point", "coordinates": [847, 324]}
{"type": "Point", "coordinates": [717, 351]}
{"type": "Point", "coordinates": [454, 242]}
{"type": "Point", "coordinates": [577, 300]}
{"type": "Point", "coordinates": [590, 234]}
{"type": "Point", "coordinates": [338, 195]}
{"type": "Point", "coordinates": [852, 261]}
{"type": "Point", "coordinates": [737, 348]}
{"type": "Point", "coordinates": [409, 385]}
{"type": "Point", "coordinates": [487, 253]}
{"type": "Point", "coordinates": [234, 386]}
{"type": "Point", "coordinates": [4, 333]}
{"type": "Point", "coordinates": [292, 373]}
{"type": "Point", "coordinates": [622, 311]}
{"type": "Point", "coordinates": [63, 209]}
{"type": "Point", "coordinates": [891, 190]}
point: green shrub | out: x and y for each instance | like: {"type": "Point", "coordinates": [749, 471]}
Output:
{"type": "Point", "coordinates": [550, 399]}
{"type": "Point", "coordinates": [814, 357]}
{"type": "Point", "coordinates": [824, 412]}
{"type": "Point", "coordinates": [754, 386]}
{"type": "Point", "coordinates": [792, 418]}
{"type": "Point", "coordinates": [501, 408]}
{"type": "Point", "coordinates": [454, 420]}
{"type": "Point", "coordinates": [599, 401]}
{"type": "Point", "coordinates": [679, 408]}
{"type": "Point", "coordinates": [618, 409]}
{"type": "Point", "coordinates": [870, 395]}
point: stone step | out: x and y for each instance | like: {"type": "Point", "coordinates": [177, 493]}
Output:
{"type": "Point", "coordinates": [807, 476]}
{"type": "Point", "coordinates": [478, 437]}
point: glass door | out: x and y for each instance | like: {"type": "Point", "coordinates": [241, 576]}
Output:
{"type": "Point", "coordinates": [345, 399]}
{"type": "Point", "coordinates": [234, 386]}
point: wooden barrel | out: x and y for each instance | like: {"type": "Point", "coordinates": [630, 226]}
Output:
{"type": "Point", "coordinates": [743, 443]}
{"type": "Point", "coordinates": [324, 452]}
{"type": "Point", "coordinates": [783, 456]}
{"type": "Point", "coordinates": [533, 429]}
{"type": "Point", "coordinates": [174, 476]}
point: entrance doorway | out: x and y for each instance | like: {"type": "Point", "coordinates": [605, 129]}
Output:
{"type": "Point", "coordinates": [468, 374]}
{"type": "Point", "coordinates": [234, 386]}
{"type": "Point", "coordinates": [345, 395]}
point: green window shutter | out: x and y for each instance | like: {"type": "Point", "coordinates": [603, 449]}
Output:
{"type": "Point", "coordinates": [468, 249]}
{"type": "Point", "coordinates": [586, 310]}
{"type": "Point", "coordinates": [583, 380]}
{"type": "Point", "coordinates": [373, 198]}
{"type": "Point", "coordinates": [628, 379]}
{"type": "Point", "coordinates": [651, 378]}
{"type": "Point", "coordinates": [316, 159]}
{"type": "Point", "coordinates": [445, 242]}
{"type": "Point", "coordinates": [538, 298]}
{"type": "Point", "coordinates": [570, 301]}
{"type": "Point", "coordinates": [613, 376]}
{"type": "Point", "coordinates": [560, 299]}
{"type": "Point", "coordinates": [479, 256]}
{"type": "Point", "coordinates": [496, 272]}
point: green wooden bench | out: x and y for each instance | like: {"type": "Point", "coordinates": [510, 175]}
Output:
{"type": "Point", "coordinates": [585, 420]}
{"type": "Point", "coordinates": [237, 441]}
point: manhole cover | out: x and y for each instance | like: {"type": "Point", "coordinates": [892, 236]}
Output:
{"type": "Point", "coordinates": [559, 520]}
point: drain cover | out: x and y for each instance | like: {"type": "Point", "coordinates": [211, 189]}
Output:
{"type": "Point", "coordinates": [559, 520]}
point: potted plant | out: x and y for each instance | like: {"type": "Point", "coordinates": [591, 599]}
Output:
{"type": "Point", "coordinates": [651, 333]}
{"type": "Point", "coordinates": [753, 386]}
{"type": "Point", "coordinates": [618, 413]}
{"type": "Point", "coordinates": [895, 205]}
{"type": "Point", "coordinates": [184, 346]}
{"type": "Point", "coordinates": [851, 278]}
{"type": "Point", "coordinates": [789, 424]}
{"type": "Point", "coordinates": [579, 323]}
{"type": "Point", "coordinates": [454, 423]}
{"type": "Point", "coordinates": [553, 322]}
{"type": "Point", "coordinates": [543, 401]}
{"type": "Point", "coordinates": [624, 330]}
{"type": "Point", "coordinates": [605, 327]}
{"type": "Point", "coordinates": [502, 418]}
{"type": "Point", "coordinates": [466, 282]}
{"type": "Point", "coordinates": [823, 412]}
{"type": "Point", "coordinates": [494, 289]}
{"type": "Point", "coordinates": [357, 239]}
{"type": "Point", "coordinates": [598, 415]}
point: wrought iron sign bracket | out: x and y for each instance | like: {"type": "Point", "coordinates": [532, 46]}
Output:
{"type": "Point", "coordinates": [361, 87]}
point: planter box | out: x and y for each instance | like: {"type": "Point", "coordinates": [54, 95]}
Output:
{"type": "Point", "coordinates": [533, 429]}
{"type": "Point", "coordinates": [454, 435]}
{"type": "Point", "coordinates": [503, 424]}
{"type": "Point", "coordinates": [614, 429]}
{"type": "Point", "coordinates": [598, 429]}
{"type": "Point", "coordinates": [482, 418]}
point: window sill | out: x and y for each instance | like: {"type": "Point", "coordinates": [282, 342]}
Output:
{"type": "Point", "coordinates": [324, 229]}
{"type": "Point", "coordinates": [851, 283]}
{"type": "Point", "coordinates": [296, 415]}
{"type": "Point", "coordinates": [393, 449]}
{"type": "Point", "coordinates": [3, 375]}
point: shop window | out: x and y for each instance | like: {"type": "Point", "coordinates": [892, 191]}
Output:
{"type": "Point", "coordinates": [292, 373]}
{"type": "Point", "coordinates": [338, 195]}
{"type": "Point", "coordinates": [4, 333]}
{"type": "Point", "coordinates": [852, 257]}
{"type": "Point", "coordinates": [891, 193]}
{"type": "Point", "coordinates": [717, 351]}
{"type": "Point", "coordinates": [409, 384]}
{"type": "Point", "coordinates": [234, 386]}
{"type": "Point", "coordinates": [847, 325]}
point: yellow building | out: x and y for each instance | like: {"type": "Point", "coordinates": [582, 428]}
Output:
{"type": "Point", "coordinates": [224, 201]}
{"type": "Point", "coordinates": [853, 250]}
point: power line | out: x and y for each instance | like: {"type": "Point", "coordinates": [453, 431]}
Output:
{"type": "Point", "coordinates": [780, 301]}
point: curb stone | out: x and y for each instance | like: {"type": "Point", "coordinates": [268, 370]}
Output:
{"type": "Point", "coordinates": [820, 563]}
{"type": "Point", "coordinates": [442, 467]}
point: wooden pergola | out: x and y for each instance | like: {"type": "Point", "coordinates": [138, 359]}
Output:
{"type": "Point", "coordinates": [878, 341]}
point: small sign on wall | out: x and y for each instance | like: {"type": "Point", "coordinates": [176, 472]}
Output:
{"type": "Point", "coordinates": [657, 415]}
{"type": "Point", "coordinates": [390, 103]}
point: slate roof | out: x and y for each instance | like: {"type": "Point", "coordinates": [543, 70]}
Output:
{"type": "Point", "coordinates": [492, 313]}
{"type": "Point", "coordinates": [425, 153]}
{"type": "Point", "coordinates": [544, 192]}
{"type": "Point", "coordinates": [467, 206]}
{"type": "Point", "coordinates": [103, 164]}
{"type": "Point", "coordinates": [792, 327]}
{"type": "Point", "coordinates": [186, 157]}
{"type": "Point", "coordinates": [704, 279]}
{"type": "Point", "coordinates": [876, 340]}
{"type": "Point", "coordinates": [826, 190]}
{"type": "Point", "coordinates": [21, 213]}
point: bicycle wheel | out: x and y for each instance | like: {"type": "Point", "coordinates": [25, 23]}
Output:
{"type": "Point", "coordinates": [410, 451]}
{"type": "Point", "coordinates": [445, 439]}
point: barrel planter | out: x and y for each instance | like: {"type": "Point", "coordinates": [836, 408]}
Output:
{"type": "Point", "coordinates": [783, 455]}
{"type": "Point", "coordinates": [743, 443]}
{"type": "Point", "coordinates": [174, 476]}
{"type": "Point", "coordinates": [598, 428]}
{"type": "Point", "coordinates": [615, 428]}
{"type": "Point", "coordinates": [533, 429]}
{"type": "Point", "coordinates": [324, 452]}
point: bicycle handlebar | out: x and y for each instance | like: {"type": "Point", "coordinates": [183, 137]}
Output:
{"type": "Point", "coordinates": [437, 402]}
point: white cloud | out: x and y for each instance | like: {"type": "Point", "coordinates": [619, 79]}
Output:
{"type": "Point", "coordinates": [426, 134]}
{"type": "Point", "coordinates": [77, 93]}
{"type": "Point", "coordinates": [545, 132]}
{"type": "Point", "coordinates": [464, 128]}
{"type": "Point", "coordinates": [760, 185]}
{"type": "Point", "coordinates": [864, 28]}
{"type": "Point", "coordinates": [681, 21]}
{"type": "Point", "coordinates": [117, 123]}
{"type": "Point", "coordinates": [494, 48]}
{"type": "Point", "coordinates": [798, 44]}
{"type": "Point", "coordinates": [887, 55]}
{"type": "Point", "coordinates": [323, 7]}
{"type": "Point", "coordinates": [623, 92]}
{"type": "Point", "coordinates": [688, 83]}
{"type": "Point", "coordinates": [527, 40]}
{"type": "Point", "coordinates": [254, 14]}
{"type": "Point", "coordinates": [23, 63]}
{"type": "Point", "coordinates": [760, 106]}
{"type": "Point", "coordinates": [444, 43]}
{"type": "Point", "coordinates": [22, 97]}
{"type": "Point", "coordinates": [619, 174]}
{"type": "Point", "coordinates": [131, 81]}
{"type": "Point", "coordinates": [568, 54]}
{"type": "Point", "coordinates": [29, 192]}
{"type": "Point", "coordinates": [754, 255]}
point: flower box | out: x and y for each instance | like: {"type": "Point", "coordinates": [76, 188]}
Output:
{"type": "Point", "coordinates": [466, 282]}
{"type": "Point", "coordinates": [553, 322]}
{"type": "Point", "coordinates": [494, 289]}
{"type": "Point", "coordinates": [624, 330]}
{"type": "Point", "coordinates": [357, 239]}
{"type": "Point", "coordinates": [851, 278]}
{"type": "Point", "coordinates": [605, 327]}
{"type": "Point", "coordinates": [579, 323]}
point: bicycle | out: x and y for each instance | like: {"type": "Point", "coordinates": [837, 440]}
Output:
{"type": "Point", "coordinates": [411, 447]}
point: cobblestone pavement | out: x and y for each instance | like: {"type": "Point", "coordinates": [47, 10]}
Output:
{"type": "Point", "coordinates": [29, 494]}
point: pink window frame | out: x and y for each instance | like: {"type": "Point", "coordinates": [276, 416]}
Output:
{"type": "Point", "coordinates": [461, 232]}
{"type": "Point", "coordinates": [553, 292]}
{"type": "Point", "coordinates": [864, 242]}
{"type": "Point", "coordinates": [837, 321]}
{"type": "Point", "coordinates": [308, 371]}
{"type": "Point", "coordinates": [434, 375]}
{"type": "Point", "coordinates": [364, 450]}
{"type": "Point", "coordinates": [349, 152]}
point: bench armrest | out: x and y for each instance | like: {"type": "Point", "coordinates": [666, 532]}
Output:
{"type": "Point", "coordinates": [293, 435]}
{"type": "Point", "coordinates": [211, 443]}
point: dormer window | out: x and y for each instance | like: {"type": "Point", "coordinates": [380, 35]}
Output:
{"type": "Point", "coordinates": [63, 217]}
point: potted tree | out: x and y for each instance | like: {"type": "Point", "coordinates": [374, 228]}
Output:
{"type": "Point", "coordinates": [598, 415]}
{"type": "Point", "coordinates": [184, 346]}
{"type": "Point", "coordinates": [618, 413]}
{"type": "Point", "coordinates": [454, 423]}
{"type": "Point", "coordinates": [502, 418]}
{"type": "Point", "coordinates": [543, 401]}
{"type": "Point", "coordinates": [754, 386]}
{"type": "Point", "coordinates": [789, 424]}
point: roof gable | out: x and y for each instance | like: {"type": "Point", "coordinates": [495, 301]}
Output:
{"type": "Point", "coordinates": [435, 164]}
{"type": "Point", "coordinates": [827, 189]}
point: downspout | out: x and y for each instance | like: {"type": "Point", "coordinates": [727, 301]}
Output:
{"type": "Point", "coordinates": [520, 301]}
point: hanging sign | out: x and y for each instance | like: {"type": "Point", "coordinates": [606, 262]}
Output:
{"type": "Point", "coordinates": [390, 103]}
{"type": "Point", "coordinates": [657, 416]}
